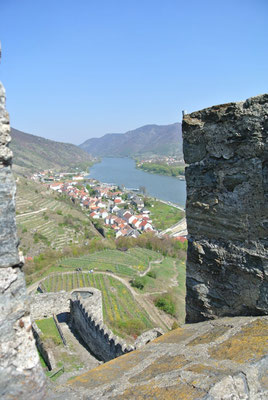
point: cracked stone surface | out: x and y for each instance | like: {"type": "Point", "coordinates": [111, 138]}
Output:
{"type": "Point", "coordinates": [226, 147]}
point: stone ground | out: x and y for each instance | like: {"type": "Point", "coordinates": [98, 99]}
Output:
{"type": "Point", "coordinates": [220, 359]}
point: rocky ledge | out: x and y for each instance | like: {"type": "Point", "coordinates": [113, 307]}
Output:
{"type": "Point", "coordinates": [222, 359]}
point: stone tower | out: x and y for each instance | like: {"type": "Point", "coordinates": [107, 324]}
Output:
{"type": "Point", "coordinates": [226, 148]}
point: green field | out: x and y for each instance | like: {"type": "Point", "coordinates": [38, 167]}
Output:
{"type": "Point", "coordinates": [162, 169]}
{"type": "Point", "coordinates": [163, 215]}
{"type": "Point", "coordinates": [169, 276]}
{"type": "Point", "coordinates": [123, 263]}
{"type": "Point", "coordinates": [49, 329]}
{"type": "Point", "coordinates": [120, 310]}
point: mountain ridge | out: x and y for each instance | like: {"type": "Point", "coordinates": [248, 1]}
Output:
{"type": "Point", "coordinates": [33, 152]}
{"type": "Point", "coordinates": [147, 140]}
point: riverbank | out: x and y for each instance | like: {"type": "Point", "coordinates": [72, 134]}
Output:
{"type": "Point", "coordinates": [123, 172]}
{"type": "Point", "coordinates": [175, 171]}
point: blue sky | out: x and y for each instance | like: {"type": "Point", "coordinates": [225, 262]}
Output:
{"type": "Point", "coordinates": [75, 69]}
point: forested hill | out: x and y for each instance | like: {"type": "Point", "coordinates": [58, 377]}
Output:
{"type": "Point", "coordinates": [33, 153]}
{"type": "Point", "coordinates": [147, 140]}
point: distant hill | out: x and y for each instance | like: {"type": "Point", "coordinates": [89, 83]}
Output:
{"type": "Point", "coordinates": [147, 140]}
{"type": "Point", "coordinates": [36, 153]}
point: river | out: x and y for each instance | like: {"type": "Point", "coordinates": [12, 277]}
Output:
{"type": "Point", "coordinates": [122, 171]}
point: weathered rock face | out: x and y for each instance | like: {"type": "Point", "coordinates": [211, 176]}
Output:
{"type": "Point", "coordinates": [20, 373]}
{"type": "Point", "coordinates": [226, 148]}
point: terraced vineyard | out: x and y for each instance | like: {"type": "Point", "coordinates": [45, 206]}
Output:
{"type": "Point", "coordinates": [44, 220]}
{"type": "Point", "coordinates": [122, 263]}
{"type": "Point", "coordinates": [121, 311]}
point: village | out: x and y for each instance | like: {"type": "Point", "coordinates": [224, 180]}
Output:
{"type": "Point", "coordinates": [118, 210]}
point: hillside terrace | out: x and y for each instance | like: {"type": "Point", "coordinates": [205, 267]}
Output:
{"type": "Point", "coordinates": [116, 208]}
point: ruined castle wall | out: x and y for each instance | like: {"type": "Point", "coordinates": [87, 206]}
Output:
{"type": "Point", "coordinates": [43, 348]}
{"type": "Point", "coordinates": [100, 340]}
{"type": "Point", "coordinates": [44, 305]}
{"type": "Point", "coordinates": [21, 375]}
{"type": "Point", "coordinates": [227, 209]}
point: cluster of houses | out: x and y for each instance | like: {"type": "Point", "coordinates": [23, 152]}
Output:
{"type": "Point", "coordinates": [122, 211]}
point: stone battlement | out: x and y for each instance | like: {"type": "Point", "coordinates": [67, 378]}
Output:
{"type": "Point", "coordinates": [99, 338]}
{"type": "Point", "coordinates": [46, 304]}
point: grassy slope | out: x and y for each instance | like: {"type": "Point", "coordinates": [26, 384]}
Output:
{"type": "Point", "coordinates": [162, 169]}
{"type": "Point", "coordinates": [50, 228]}
{"type": "Point", "coordinates": [35, 153]}
{"type": "Point", "coordinates": [121, 263]}
{"type": "Point", "coordinates": [121, 312]}
{"type": "Point", "coordinates": [49, 329]}
{"type": "Point", "coordinates": [163, 215]}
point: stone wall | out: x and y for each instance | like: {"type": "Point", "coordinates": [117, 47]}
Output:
{"type": "Point", "coordinates": [227, 210]}
{"type": "Point", "coordinates": [223, 359]}
{"type": "Point", "coordinates": [100, 340]}
{"type": "Point", "coordinates": [21, 375]}
{"type": "Point", "coordinates": [43, 349]}
{"type": "Point", "coordinates": [44, 305]}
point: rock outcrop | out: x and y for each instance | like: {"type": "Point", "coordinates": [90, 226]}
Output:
{"type": "Point", "coordinates": [21, 375]}
{"type": "Point", "coordinates": [226, 148]}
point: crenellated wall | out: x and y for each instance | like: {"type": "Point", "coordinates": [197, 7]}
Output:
{"type": "Point", "coordinates": [100, 340]}
{"type": "Point", "coordinates": [21, 375]}
{"type": "Point", "coordinates": [227, 209]}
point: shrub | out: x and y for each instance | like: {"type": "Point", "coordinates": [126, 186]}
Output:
{"type": "Point", "coordinates": [166, 246]}
{"type": "Point", "coordinates": [59, 212]}
{"type": "Point", "coordinates": [166, 304]}
{"type": "Point", "coordinates": [131, 327]}
{"type": "Point", "coordinates": [138, 283]}
{"type": "Point", "coordinates": [38, 236]}
{"type": "Point", "coordinates": [151, 274]}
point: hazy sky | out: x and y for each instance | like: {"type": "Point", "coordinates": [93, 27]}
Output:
{"type": "Point", "coordinates": [75, 69]}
